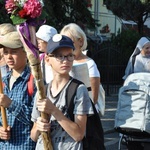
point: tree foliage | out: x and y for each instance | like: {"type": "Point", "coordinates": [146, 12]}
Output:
{"type": "Point", "coordinates": [126, 40]}
{"type": "Point", "coordinates": [4, 17]}
{"type": "Point", "coordinates": [61, 12]}
{"type": "Point", "coordinates": [134, 10]}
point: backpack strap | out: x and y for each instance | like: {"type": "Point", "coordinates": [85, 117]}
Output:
{"type": "Point", "coordinates": [30, 85]}
{"type": "Point", "coordinates": [3, 85]}
{"type": "Point", "coordinates": [70, 94]}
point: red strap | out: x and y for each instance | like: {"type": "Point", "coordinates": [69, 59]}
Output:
{"type": "Point", "coordinates": [30, 85]}
{"type": "Point", "coordinates": [3, 84]}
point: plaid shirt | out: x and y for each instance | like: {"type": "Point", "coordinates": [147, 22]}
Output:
{"type": "Point", "coordinates": [19, 113]}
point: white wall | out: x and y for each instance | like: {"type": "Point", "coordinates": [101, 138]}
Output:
{"type": "Point", "coordinates": [105, 17]}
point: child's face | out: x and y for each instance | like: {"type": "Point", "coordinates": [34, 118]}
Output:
{"type": "Point", "coordinates": [61, 60]}
{"type": "Point", "coordinates": [42, 45]}
{"type": "Point", "coordinates": [15, 58]}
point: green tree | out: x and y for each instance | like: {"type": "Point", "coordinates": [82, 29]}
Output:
{"type": "Point", "coordinates": [134, 10]}
{"type": "Point", "coordinates": [61, 12]}
{"type": "Point", "coordinates": [4, 17]}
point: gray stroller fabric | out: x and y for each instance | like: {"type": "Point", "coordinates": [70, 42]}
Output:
{"type": "Point", "coordinates": [133, 111]}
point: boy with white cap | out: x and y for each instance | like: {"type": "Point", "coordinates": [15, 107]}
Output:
{"type": "Point", "coordinates": [16, 99]}
{"type": "Point", "coordinates": [65, 133]}
{"type": "Point", "coordinates": [43, 35]}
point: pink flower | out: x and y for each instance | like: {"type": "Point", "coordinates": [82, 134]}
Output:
{"type": "Point", "coordinates": [22, 10]}
{"type": "Point", "coordinates": [33, 8]}
{"type": "Point", "coordinates": [10, 6]}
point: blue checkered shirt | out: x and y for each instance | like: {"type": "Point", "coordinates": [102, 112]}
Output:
{"type": "Point", "coordinates": [19, 113]}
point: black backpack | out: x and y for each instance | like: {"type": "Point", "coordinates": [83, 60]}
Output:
{"type": "Point", "coordinates": [94, 139]}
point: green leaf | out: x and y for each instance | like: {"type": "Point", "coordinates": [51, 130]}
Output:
{"type": "Point", "coordinates": [17, 20]}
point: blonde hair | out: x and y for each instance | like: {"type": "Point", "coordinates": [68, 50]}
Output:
{"type": "Point", "coordinates": [76, 32]}
{"type": "Point", "coordinates": [6, 28]}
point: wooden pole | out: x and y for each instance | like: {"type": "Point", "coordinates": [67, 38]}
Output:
{"type": "Point", "coordinates": [37, 74]}
{"type": "Point", "coordinates": [3, 111]}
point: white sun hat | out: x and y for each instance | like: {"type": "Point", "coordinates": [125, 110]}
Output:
{"type": "Point", "coordinates": [46, 32]}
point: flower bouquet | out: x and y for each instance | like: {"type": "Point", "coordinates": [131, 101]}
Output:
{"type": "Point", "coordinates": [24, 10]}
{"type": "Point", "coordinates": [24, 14]}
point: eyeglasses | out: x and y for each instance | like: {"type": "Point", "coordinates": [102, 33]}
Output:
{"type": "Point", "coordinates": [62, 57]}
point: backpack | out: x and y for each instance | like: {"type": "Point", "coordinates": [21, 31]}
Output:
{"type": "Point", "coordinates": [94, 139]}
{"type": "Point", "coordinates": [133, 110]}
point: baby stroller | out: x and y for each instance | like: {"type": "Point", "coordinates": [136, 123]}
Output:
{"type": "Point", "coordinates": [132, 118]}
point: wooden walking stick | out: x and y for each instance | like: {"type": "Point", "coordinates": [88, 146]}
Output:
{"type": "Point", "coordinates": [3, 111]}
{"type": "Point", "coordinates": [34, 61]}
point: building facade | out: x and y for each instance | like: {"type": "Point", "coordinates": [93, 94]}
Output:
{"type": "Point", "coordinates": [109, 23]}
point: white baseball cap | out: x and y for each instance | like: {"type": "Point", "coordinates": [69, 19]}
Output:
{"type": "Point", "coordinates": [46, 32]}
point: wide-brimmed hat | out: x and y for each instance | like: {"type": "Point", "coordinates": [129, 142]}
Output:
{"type": "Point", "coordinates": [59, 41]}
{"type": "Point", "coordinates": [46, 32]}
{"type": "Point", "coordinates": [6, 28]}
{"type": "Point", "coordinates": [11, 40]}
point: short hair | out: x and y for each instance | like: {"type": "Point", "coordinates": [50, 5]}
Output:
{"type": "Point", "coordinates": [76, 32]}
{"type": "Point", "coordinates": [6, 28]}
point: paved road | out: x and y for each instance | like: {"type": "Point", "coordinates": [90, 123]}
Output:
{"type": "Point", "coordinates": [111, 137]}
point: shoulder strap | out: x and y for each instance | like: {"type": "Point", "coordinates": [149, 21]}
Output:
{"type": "Point", "coordinates": [30, 85]}
{"type": "Point", "coordinates": [3, 84]}
{"type": "Point", "coordinates": [70, 94]}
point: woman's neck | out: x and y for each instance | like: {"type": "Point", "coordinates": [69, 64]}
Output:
{"type": "Point", "coordinates": [80, 58]}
